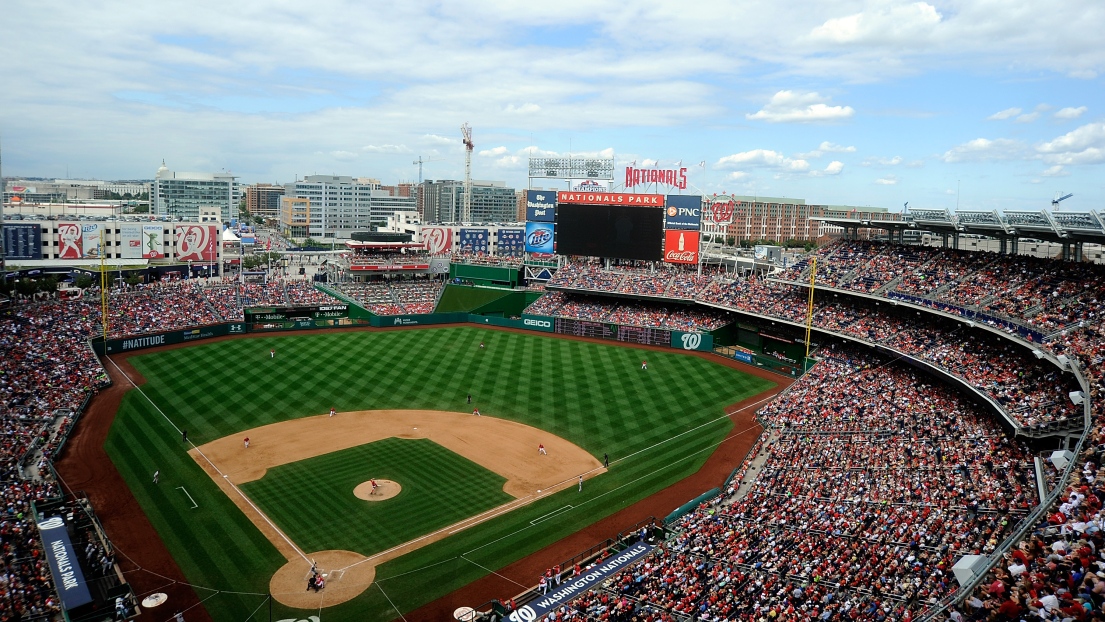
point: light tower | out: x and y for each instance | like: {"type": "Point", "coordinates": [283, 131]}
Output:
{"type": "Point", "coordinates": [466, 206]}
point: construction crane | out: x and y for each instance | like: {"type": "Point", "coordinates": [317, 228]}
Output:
{"type": "Point", "coordinates": [1057, 199]}
{"type": "Point", "coordinates": [420, 162]}
{"type": "Point", "coordinates": [466, 209]}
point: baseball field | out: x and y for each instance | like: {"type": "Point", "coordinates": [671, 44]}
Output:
{"type": "Point", "coordinates": [464, 495]}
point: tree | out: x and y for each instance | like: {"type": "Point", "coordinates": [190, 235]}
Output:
{"type": "Point", "coordinates": [26, 287]}
{"type": "Point", "coordinates": [133, 279]}
{"type": "Point", "coordinates": [84, 281]}
{"type": "Point", "coordinates": [142, 209]}
{"type": "Point", "coordinates": [48, 284]}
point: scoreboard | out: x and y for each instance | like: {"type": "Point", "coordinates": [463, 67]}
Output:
{"type": "Point", "coordinates": [613, 332]}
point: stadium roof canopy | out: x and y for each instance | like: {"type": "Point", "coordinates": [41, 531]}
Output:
{"type": "Point", "coordinates": [1053, 226]}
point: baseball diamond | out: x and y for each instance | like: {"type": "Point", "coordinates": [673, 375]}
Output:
{"type": "Point", "coordinates": [469, 499]}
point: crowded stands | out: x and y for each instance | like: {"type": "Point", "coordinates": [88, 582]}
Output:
{"type": "Point", "coordinates": [875, 480]}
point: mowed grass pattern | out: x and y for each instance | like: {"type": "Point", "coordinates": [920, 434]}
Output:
{"type": "Point", "coordinates": [595, 395]}
{"type": "Point", "coordinates": [439, 488]}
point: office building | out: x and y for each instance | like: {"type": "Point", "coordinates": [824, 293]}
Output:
{"type": "Point", "coordinates": [492, 201]}
{"type": "Point", "coordinates": [263, 200]}
{"type": "Point", "coordinates": [181, 195]}
{"type": "Point", "coordinates": [340, 204]}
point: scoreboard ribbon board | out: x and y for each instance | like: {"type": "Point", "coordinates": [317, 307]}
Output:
{"type": "Point", "coordinates": [281, 314]}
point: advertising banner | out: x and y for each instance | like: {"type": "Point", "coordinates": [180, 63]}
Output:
{"type": "Point", "coordinates": [538, 322]}
{"type": "Point", "coordinates": [152, 242]}
{"type": "Point", "coordinates": [90, 240]}
{"type": "Point", "coordinates": [539, 237]}
{"type": "Point", "coordinates": [70, 245]}
{"type": "Point", "coordinates": [540, 205]}
{"type": "Point", "coordinates": [438, 240]}
{"type": "Point", "coordinates": [683, 212]}
{"type": "Point", "coordinates": [692, 341]}
{"type": "Point", "coordinates": [610, 198]}
{"type": "Point", "coordinates": [743, 357]}
{"type": "Point", "coordinates": [197, 243]}
{"type": "Point", "coordinates": [577, 586]}
{"type": "Point", "coordinates": [22, 241]}
{"type": "Point", "coordinates": [681, 246]}
{"type": "Point", "coordinates": [475, 240]}
{"type": "Point", "coordinates": [68, 578]}
{"type": "Point", "coordinates": [130, 241]}
{"type": "Point", "coordinates": [511, 242]}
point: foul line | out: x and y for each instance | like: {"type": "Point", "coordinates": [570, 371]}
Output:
{"type": "Point", "coordinates": [194, 504]}
{"type": "Point", "coordinates": [200, 452]}
{"type": "Point", "coordinates": [546, 517]}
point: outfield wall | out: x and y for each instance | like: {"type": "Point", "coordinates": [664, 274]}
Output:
{"type": "Point", "coordinates": [275, 321]}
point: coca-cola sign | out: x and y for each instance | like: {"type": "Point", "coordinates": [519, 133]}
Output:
{"type": "Point", "coordinates": [681, 246]}
{"type": "Point", "coordinates": [720, 211]}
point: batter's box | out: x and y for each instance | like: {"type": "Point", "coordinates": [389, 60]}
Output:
{"type": "Point", "coordinates": [336, 575]}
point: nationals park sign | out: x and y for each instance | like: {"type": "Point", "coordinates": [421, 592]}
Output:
{"type": "Point", "coordinates": [610, 198]}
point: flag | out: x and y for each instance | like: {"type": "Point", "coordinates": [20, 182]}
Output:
{"type": "Point", "coordinates": [702, 164]}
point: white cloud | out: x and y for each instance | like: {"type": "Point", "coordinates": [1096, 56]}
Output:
{"type": "Point", "coordinates": [762, 158]}
{"type": "Point", "coordinates": [795, 107]}
{"type": "Point", "coordinates": [1085, 145]}
{"type": "Point", "coordinates": [526, 108]}
{"type": "Point", "coordinates": [878, 161]}
{"type": "Point", "coordinates": [834, 168]}
{"type": "Point", "coordinates": [434, 139]}
{"type": "Point", "coordinates": [1070, 113]}
{"type": "Point", "coordinates": [1055, 171]}
{"type": "Point", "coordinates": [985, 150]}
{"type": "Point", "coordinates": [647, 162]}
{"type": "Point", "coordinates": [826, 147]}
{"type": "Point", "coordinates": [344, 156]}
{"type": "Point", "coordinates": [386, 149]}
{"type": "Point", "coordinates": [889, 180]}
{"type": "Point", "coordinates": [885, 23]}
{"type": "Point", "coordinates": [1027, 118]}
{"type": "Point", "coordinates": [497, 151]}
{"type": "Point", "coordinates": [1008, 113]}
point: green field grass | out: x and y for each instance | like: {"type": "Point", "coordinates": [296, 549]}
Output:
{"type": "Point", "coordinates": [440, 488]}
{"type": "Point", "coordinates": [595, 395]}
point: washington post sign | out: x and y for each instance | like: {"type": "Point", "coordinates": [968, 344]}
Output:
{"type": "Point", "coordinates": [577, 586]}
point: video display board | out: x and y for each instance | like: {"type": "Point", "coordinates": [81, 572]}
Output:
{"type": "Point", "coordinates": [616, 231]}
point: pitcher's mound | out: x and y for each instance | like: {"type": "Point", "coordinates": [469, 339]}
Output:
{"type": "Point", "coordinates": [344, 580]}
{"type": "Point", "coordinates": [385, 489]}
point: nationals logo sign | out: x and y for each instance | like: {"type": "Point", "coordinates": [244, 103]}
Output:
{"type": "Point", "coordinates": [691, 341]}
{"type": "Point", "coordinates": [680, 246]}
{"type": "Point", "coordinates": [196, 243]}
{"type": "Point", "coordinates": [438, 240]}
{"type": "Point", "coordinates": [721, 211]}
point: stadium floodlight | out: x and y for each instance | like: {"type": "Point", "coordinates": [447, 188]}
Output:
{"type": "Point", "coordinates": [1077, 397]}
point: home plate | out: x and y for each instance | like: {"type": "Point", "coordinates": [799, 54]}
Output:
{"type": "Point", "coordinates": [154, 600]}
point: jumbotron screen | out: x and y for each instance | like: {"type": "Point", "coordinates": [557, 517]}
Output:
{"type": "Point", "coordinates": [616, 231]}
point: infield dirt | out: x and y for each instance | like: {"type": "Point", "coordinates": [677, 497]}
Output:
{"type": "Point", "coordinates": [530, 474]}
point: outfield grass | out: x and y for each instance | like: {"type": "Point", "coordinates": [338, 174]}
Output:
{"type": "Point", "coordinates": [440, 488]}
{"type": "Point", "coordinates": [594, 395]}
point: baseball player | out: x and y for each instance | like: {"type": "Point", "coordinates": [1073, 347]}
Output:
{"type": "Point", "coordinates": [481, 345]}
{"type": "Point", "coordinates": [580, 483]}
{"type": "Point", "coordinates": [476, 411]}
{"type": "Point", "coordinates": [541, 450]}
{"type": "Point", "coordinates": [332, 411]}
{"type": "Point", "coordinates": [272, 353]}
{"type": "Point", "coordinates": [156, 476]}
{"type": "Point", "coordinates": [246, 442]}
{"type": "Point", "coordinates": [374, 486]}
{"type": "Point", "coordinates": [644, 364]}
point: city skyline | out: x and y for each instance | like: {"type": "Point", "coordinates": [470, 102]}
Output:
{"type": "Point", "coordinates": [868, 103]}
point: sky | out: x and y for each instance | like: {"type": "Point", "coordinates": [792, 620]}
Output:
{"type": "Point", "coordinates": [984, 104]}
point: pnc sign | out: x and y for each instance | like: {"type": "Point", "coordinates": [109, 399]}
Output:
{"type": "Point", "coordinates": [675, 177]}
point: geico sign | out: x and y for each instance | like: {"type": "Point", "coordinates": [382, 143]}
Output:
{"type": "Point", "coordinates": [540, 323]}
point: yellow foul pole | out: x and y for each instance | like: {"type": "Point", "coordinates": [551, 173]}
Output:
{"type": "Point", "coordinates": [809, 307]}
{"type": "Point", "coordinates": [103, 288]}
